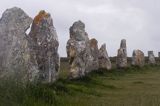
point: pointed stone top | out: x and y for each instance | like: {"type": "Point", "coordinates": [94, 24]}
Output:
{"type": "Point", "coordinates": [79, 24]}
{"type": "Point", "coordinates": [123, 43]}
{"type": "Point", "coordinates": [93, 43]}
{"type": "Point", "coordinates": [15, 18]}
{"type": "Point", "coordinates": [43, 26]}
{"type": "Point", "coordinates": [77, 31]}
{"type": "Point", "coordinates": [42, 14]}
{"type": "Point", "coordinates": [13, 9]}
{"type": "Point", "coordinates": [13, 12]}
{"type": "Point", "coordinates": [103, 46]}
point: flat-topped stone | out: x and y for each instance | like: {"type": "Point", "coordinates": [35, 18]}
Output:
{"type": "Point", "coordinates": [151, 57]}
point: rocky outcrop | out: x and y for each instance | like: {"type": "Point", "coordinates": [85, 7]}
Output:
{"type": "Point", "coordinates": [81, 51]}
{"type": "Point", "coordinates": [13, 43]}
{"type": "Point", "coordinates": [121, 59]}
{"type": "Point", "coordinates": [159, 54]}
{"type": "Point", "coordinates": [104, 60]}
{"type": "Point", "coordinates": [43, 46]}
{"type": "Point", "coordinates": [138, 58]}
{"type": "Point", "coordinates": [151, 57]}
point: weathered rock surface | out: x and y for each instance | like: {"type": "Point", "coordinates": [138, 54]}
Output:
{"type": "Point", "coordinates": [81, 51]}
{"type": "Point", "coordinates": [138, 58]}
{"type": "Point", "coordinates": [121, 60]}
{"type": "Point", "coordinates": [93, 46]}
{"type": "Point", "coordinates": [151, 57]}
{"type": "Point", "coordinates": [43, 45]}
{"type": "Point", "coordinates": [13, 43]}
{"type": "Point", "coordinates": [75, 53]}
{"type": "Point", "coordinates": [104, 60]}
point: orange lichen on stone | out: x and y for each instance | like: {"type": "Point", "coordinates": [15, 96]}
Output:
{"type": "Point", "coordinates": [72, 51]}
{"type": "Point", "coordinates": [42, 14]}
{"type": "Point", "coordinates": [93, 43]}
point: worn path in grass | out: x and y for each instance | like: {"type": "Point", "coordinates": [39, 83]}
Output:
{"type": "Point", "coordinates": [130, 87]}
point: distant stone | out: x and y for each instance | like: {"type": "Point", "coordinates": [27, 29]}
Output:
{"type": "Point", "coordinates": [14, 53]}
{"type": "Point", "coordinates": [159, 54]}
{"type": "Point", "coordinates": [43, 46]}
{"type": "Point", "coordinates": [138, 58]}
{"type": "Point", "coordinates": [104, 60]}
{"type": "Point", "coordinates": [121, 60]}
{"type": "Point", "coordinates": [151, 57]}
{"type": "Point", "coordinates": [81, 51]}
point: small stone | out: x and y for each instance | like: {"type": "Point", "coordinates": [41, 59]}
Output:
{"type": "Point", "coordinates": [151, 57]}
{"type": "Point", "coordinates": [138, 58]}
{"type": "Point", "coordinates": [104, 60]}
{"type": "Point", "coordinates": [121, 60]}
{"type": "Point", "coordinates": [159, 54]}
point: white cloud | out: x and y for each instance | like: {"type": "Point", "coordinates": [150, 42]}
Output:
{"type": "Point", "coordinates": [108, 21]}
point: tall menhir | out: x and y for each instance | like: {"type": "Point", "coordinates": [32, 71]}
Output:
{"type": "Point", "coordinates": [44, 49]}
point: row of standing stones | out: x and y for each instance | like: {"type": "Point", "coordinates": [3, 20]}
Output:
{"type": "Point", "coordinates": [34, 57]}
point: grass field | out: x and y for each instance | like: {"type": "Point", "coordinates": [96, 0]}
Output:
{"type": "Point", "coordinates": [130, 87]}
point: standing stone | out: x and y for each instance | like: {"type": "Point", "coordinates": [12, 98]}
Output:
{"type": "Point", "coordinates": [158, 59]}
{"type": "Point", "coordinates": [151, 57]}
{"type": "Point", "coordinates": [75, 53]}
{"type": "Point", "coordinates": [121, 60]}
{"type": "Point", "coordinates": [104, 60]}
{"type": "Point", "coordinates": [93, 45]}
{"type": "Point", "coordinates": [138, 58]}
{"type": "Point", "coordinates": [76, 50]}
{"type": "Point", "coordinates": [43, 46]}
{"type": "Point", "coordinates": [81, 51]}
{"type": "Point", "coordinates": [13, 43]}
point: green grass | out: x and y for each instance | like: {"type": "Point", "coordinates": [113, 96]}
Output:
{"type": "Point", "coordinates": [128, 87]}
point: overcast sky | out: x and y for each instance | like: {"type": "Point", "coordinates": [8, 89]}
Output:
{"type": "Point", "coordinates": [109, 21]}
